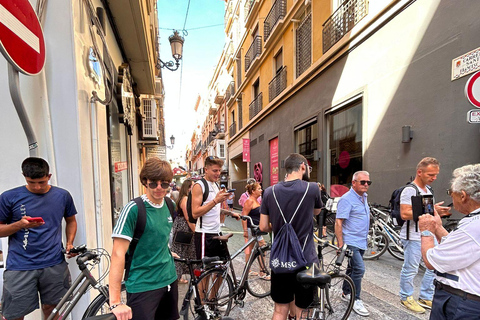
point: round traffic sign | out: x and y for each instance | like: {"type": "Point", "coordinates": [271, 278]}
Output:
{"type": "Point", "coordinates": [21, 36]}
{"type": "Point", "coordinates": [472, 89]}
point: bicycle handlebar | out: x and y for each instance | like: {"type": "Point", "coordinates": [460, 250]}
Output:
{"type": "Point", "coordinates": [341, 256]}
{"type": "Point", "coordinates": [78, 249]}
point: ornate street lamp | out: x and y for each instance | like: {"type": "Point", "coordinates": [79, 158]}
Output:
{"type": "Point", "coordinates": [176, 42]}
{"type": "Point", "coordinates": [172, 142]}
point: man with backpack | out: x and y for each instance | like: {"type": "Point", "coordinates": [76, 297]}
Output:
{"type": "Point", "coordinates": [151, 279]}
{"type": "Point", "coordinates": [351, 228]}
{"type": "Point", "coordinates": [427, 171]}
{"type": "Point", "coordinates": [289, 207]}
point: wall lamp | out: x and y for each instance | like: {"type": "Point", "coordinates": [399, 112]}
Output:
{"type": "Point", "coordinates": [407, 134]}
{"type": "Point", "coordinates": [172, 142]}
{"type": "Point", "coordinates": [176, 42]}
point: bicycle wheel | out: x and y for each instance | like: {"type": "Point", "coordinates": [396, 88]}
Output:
{"type": "Point", "coordinates": [258, 274]}
{"type": "Point", "coordinates": [338, 307]}
{"type": "Point", "coordinates": [395, 251]}
{"type": "Point", "coordinates": [216, 289]}
{"type": "Point", "coordinates": [377, 244]}
{"type": "Point", "coordinates": [100, 305]}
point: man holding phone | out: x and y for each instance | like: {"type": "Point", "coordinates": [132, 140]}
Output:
{"type": "Point", "coordinates": [427, 171]}
{"type": "Point", "coordinates": [31, 216]}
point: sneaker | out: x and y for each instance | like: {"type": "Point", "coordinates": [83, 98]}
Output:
{"type": "Point", "coordinates": [427, 304]}
{"type": "Point", "coordinates": [412, 305]}
{"type": "Point", "coordinates": [222, 224]}
{"type": "Point", "coordinates": [360, 309]}
{"type": "Point", "coordinates": [346, 297]}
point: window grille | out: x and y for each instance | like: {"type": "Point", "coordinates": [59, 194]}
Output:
{"type": "Point", "coordinates": [149, 118]}
{"type": "Point", "coordinates": [240, 114]}
{"type": "Point", "coordinates": [304, 45]}
{"type": "Point", "coordinates": [278, 84]}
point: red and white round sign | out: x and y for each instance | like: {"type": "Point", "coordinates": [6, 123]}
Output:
{"type": "Point", "coordinates": [21, 36]}
{"type": "Point", "coordinates": [472, 89]}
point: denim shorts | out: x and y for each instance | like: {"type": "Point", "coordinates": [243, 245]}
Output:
{"type": "Point", "coordinates": [21, 288]}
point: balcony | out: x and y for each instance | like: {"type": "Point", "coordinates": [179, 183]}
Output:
{"type": "Point", "coordinates": [253, 52]}
{"type": "Point", "coordinates": [278, 84]}
{"type": "Point", "coordinates": [212, 110]}
{"type": "Point", "coordinates": [230, 91]}
{"type": "Point", "coordinates": [277, 13]}
{"type": "Point", "coordinates": [233, 129]}
{"type": "Point", "coordinates": [228, 14]}
{"type": "Point", "coordinates": [255, 106]}
{"type": "Point", "coordinates": [342, 21]}
{"type": "Point", "coordinates": [198, 148]}
{"type": "Point", "coordinates": [248, 8]}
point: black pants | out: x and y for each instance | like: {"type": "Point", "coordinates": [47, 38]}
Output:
{"type": "Point", "coordinates": [447, 306]}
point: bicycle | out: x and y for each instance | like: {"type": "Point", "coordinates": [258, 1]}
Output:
{"type": "Point", "coordinates": [382, 222]}
{"type": "Point", "coordinates": [330, 303]}
{"type": "Point", "coordinates": [213, 290]}
{"type": "Point", "coordinates": [85, 281]}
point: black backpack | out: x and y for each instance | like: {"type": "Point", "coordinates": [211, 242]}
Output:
{"type": "Point", "coordinates": [395, 206]}
{"type": "Point", "coordinates": [191, 219]}
{"type": "Point", "coordinates": [140, 228]}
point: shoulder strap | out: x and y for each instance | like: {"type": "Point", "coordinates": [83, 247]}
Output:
{"type": "Point", "coordinates": [139, 229]}
{"type": "Point", "coordinates": [171, 206]}
{"type": "Point", "coordinates": [206, 189]}
{"type": "Point", "coordinates": [301, 201]}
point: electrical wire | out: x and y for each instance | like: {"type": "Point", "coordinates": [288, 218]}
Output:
{"type": "Point", "coordinates": [195, 28]}
{"type": "Point", "coordinates": [186, 15]}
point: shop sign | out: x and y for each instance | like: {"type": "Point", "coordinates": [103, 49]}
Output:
{"type": "Point", "coordinates": [246, 150]}
{"type": "Point", "coordinates": [120, 166]}
{"type": "Point", "coordinates": [274, 161]}
{"type": "Point", "coordinates": [473, 116]}
{"type": "Point", "coordinates": [466, 64]}
{"type": "Point", "coordinates": [157, 151]}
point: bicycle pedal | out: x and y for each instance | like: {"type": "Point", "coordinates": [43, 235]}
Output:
{"type": "Point", "coordinates": [240, 303]}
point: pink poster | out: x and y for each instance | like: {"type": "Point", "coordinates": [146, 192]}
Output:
{"type": "Point", "coordinates": [246, 150]}
{"type": "Point", "coordinates": [274, 161]}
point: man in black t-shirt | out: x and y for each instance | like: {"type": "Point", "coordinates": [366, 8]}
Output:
{"type": "Point", "coordinates": [289, 193]}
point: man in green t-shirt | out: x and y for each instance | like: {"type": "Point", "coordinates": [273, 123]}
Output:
{"type": "Point", "coordinates": [152, 288]}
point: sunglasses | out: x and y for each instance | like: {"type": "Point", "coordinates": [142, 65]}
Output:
{"type": "Point", "coordinates": [362, 182]}
{"type": "Point", "coordinates": [450, 192]}
{"type": "Point", "coordinates": [309, 167]}
{"type": "Point", "coordinates": [154, 184]}
{"type": "Point", "coordinates": [212, 158]}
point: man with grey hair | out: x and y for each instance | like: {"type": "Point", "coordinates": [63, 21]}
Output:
{"type": "Point", "coordinates": [427, 170]}
{"type": "Point", "coordinates": [456, 259]}
{"type": "Point", "coordinates": [351, 228]}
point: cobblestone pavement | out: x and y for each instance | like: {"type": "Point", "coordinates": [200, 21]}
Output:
{"type": "Point", "coordinates": [380, 287]}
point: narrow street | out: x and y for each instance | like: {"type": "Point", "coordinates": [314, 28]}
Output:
{"type": "Point", "coordinates": [380, 287]}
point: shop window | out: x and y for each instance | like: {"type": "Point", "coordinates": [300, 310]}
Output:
{"type": "Point", "coordinates": [306, 139]}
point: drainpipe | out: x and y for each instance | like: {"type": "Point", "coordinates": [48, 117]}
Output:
{"type": "Point", "coordinates": [14, 85]}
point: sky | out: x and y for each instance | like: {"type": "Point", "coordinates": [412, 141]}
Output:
{"type": "Point", "coordinates": [201, 50]}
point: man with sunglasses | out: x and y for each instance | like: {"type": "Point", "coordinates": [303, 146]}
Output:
{"type": "Point", "coordinates": [208, 213]}
{"type": "Point", "coordinates": [351, 228]}
{"type": "Point", "coordinates": [427, 171]}
{"type": "Point", "coordinates": [152, 288]}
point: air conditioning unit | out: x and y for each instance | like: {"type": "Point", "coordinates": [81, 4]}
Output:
{"type": "Point", "coordinates": [148, 109]}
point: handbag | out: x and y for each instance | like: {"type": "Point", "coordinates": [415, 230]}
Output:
{"type": "Point", "coordinates": [183, 237]}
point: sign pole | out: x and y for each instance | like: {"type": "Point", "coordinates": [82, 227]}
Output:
{"type": "Point", "coordinates": [13, 83]}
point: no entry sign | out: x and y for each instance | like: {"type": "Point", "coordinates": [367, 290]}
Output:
{"type": "Point", "coordinates": [21, 36]}
{"type": "Point", "coordinates": [472, 89]}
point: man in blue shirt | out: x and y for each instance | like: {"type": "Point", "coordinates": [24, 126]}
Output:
{"type": "Point", "coordinates": [351, 227]}
{"type": "Point", "coordinates": [31, 217]}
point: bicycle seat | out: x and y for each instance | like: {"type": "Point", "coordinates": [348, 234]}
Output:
{"type": "Point", "coordinates": [223, 238]}
{"type": "Point", "coordinates": [314, 276]}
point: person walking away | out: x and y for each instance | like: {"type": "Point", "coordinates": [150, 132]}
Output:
{"type": "Point", "coordinates": [182, 229]}
{"type": "Point", "coordinates": [152, 287]}
{"type": "Point", "coordinates": [427, 171]}
{"type": "Point", "coordinates": [456, 259]}
{"type": "Point", "coordinates": [289, 193]}
{"type": "Point", "coordinates": [351, 228]}
{"type": "Point", "coordinates": [35, 262]}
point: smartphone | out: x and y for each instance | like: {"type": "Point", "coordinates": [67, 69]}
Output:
{"type": "Point", "coordinates": [35, 219]}
{"type": "Point", "coordinates": [427, 202]}
{"type": "Point", "coordinates": [231, 190]}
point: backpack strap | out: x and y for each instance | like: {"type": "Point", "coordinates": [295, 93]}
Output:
{"type": "Point", "coordinates": [170, 206]}
{"type": "Point", "coordinates": [206, 191]}
{"type": "Point", "coordinates": [139, 229]}
{"type": "Point", "coordinates": [301, 201]}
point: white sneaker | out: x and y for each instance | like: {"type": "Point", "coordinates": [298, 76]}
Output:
{"type": "Point", "coordinates": [222, 224]}
{"type": "Point", "coordinates": [360, 309]}
{"type": "Point", "coordinates": [346, 297]}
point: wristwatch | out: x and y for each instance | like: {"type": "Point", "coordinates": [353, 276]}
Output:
{"type": "Point", "coordinates": [114, 306]}
{"type": "Point", "coordinates": [427, 233]}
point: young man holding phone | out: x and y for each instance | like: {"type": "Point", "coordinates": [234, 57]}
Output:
{"type": "Point", "coordinates": [31, 216]}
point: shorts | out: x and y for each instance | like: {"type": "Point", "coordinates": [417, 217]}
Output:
{"type": "Point", "coordinates": [230, 205]}
{"type": "Point", "coordinates": [206, 246]}
{"type": "Point", "coordinates": [286, 288]}
{"type": "Point", "coordinates": [21, 288]}
{"type": "Point", "coordinates": [159, 304]}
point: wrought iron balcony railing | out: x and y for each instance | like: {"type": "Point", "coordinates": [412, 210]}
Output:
{"type": "Point", "coordinates": [230, 91]}
{"type": "Point", "coordinates": [342, 21]}
{"type": "Point", "coordinates": [277, 12]}
{"type": "Point", "coordinates": [278, 84]}
{"type": "Point", "coordinates": [253, 52]}
{"type": "Point", "coordinates": [232, 130]}
{"type": "Point", "coordinates": [255, 106]}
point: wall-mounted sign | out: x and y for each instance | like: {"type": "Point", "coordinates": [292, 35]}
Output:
{"type": "Point", "coordinates": [156, 151]}
{"type": "Point", "coordinates": [120, 166]}
{"type": "Point", "coordinates": [473, 116]}
{"type": "Point", "coordinates": [21, 36]}
{"type": "Point", "coordinates": [466, 64]}
{"type": "Point", "coordinates": [246, 150]}
{"type": "Point", "coordinates": [274, 161]}
{"type": "Point", "coordinates": [472, 90]}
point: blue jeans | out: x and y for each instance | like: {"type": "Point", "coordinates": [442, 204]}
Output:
{"type": "Point", "coordinates": [356, 270]}
{"type": "Point", "coordinates": [413, 255]}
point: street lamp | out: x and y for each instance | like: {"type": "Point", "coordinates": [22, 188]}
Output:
{"type": "Point", "coordinates": [176, 42]}
{"type": "Point", "coordinates": [172, 142]}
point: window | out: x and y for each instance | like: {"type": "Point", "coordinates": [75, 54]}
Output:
{"type": "Point", "coordinates": [240, 114]}
{"type": "Point", "coordinates": [221, 150]}
{"type": "Point", "coordinates": [303, 42]}
{"type": "Point", "coordinates": [345, 147]}
{"type": "Point", "coordinates": [306, 141]}
{"type": "Point", "coordinates": [278, 61]}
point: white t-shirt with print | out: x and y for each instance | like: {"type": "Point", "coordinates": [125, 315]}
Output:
{"type": "Point", "coordinates": [406, 198]}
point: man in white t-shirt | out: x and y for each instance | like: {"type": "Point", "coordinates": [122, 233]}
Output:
{"type": "Point", "coordinates": [427, 171]}
{"type": "Point", "coordinates": [456, 259]}
{"type": "Point", "coordinates": [208, 213]}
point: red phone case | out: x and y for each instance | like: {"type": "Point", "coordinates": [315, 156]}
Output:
{"type": "Point", "coordinates": [35, 219]}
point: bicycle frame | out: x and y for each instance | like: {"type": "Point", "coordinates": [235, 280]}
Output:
{"type": "Point", "coordinates": [388, 230]}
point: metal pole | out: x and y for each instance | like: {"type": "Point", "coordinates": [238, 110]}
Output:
{"type": "Point", "coordinates": [14, 85]}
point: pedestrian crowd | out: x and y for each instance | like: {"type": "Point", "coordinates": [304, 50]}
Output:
{"type": "Point", "coordinates": [36, 269]}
